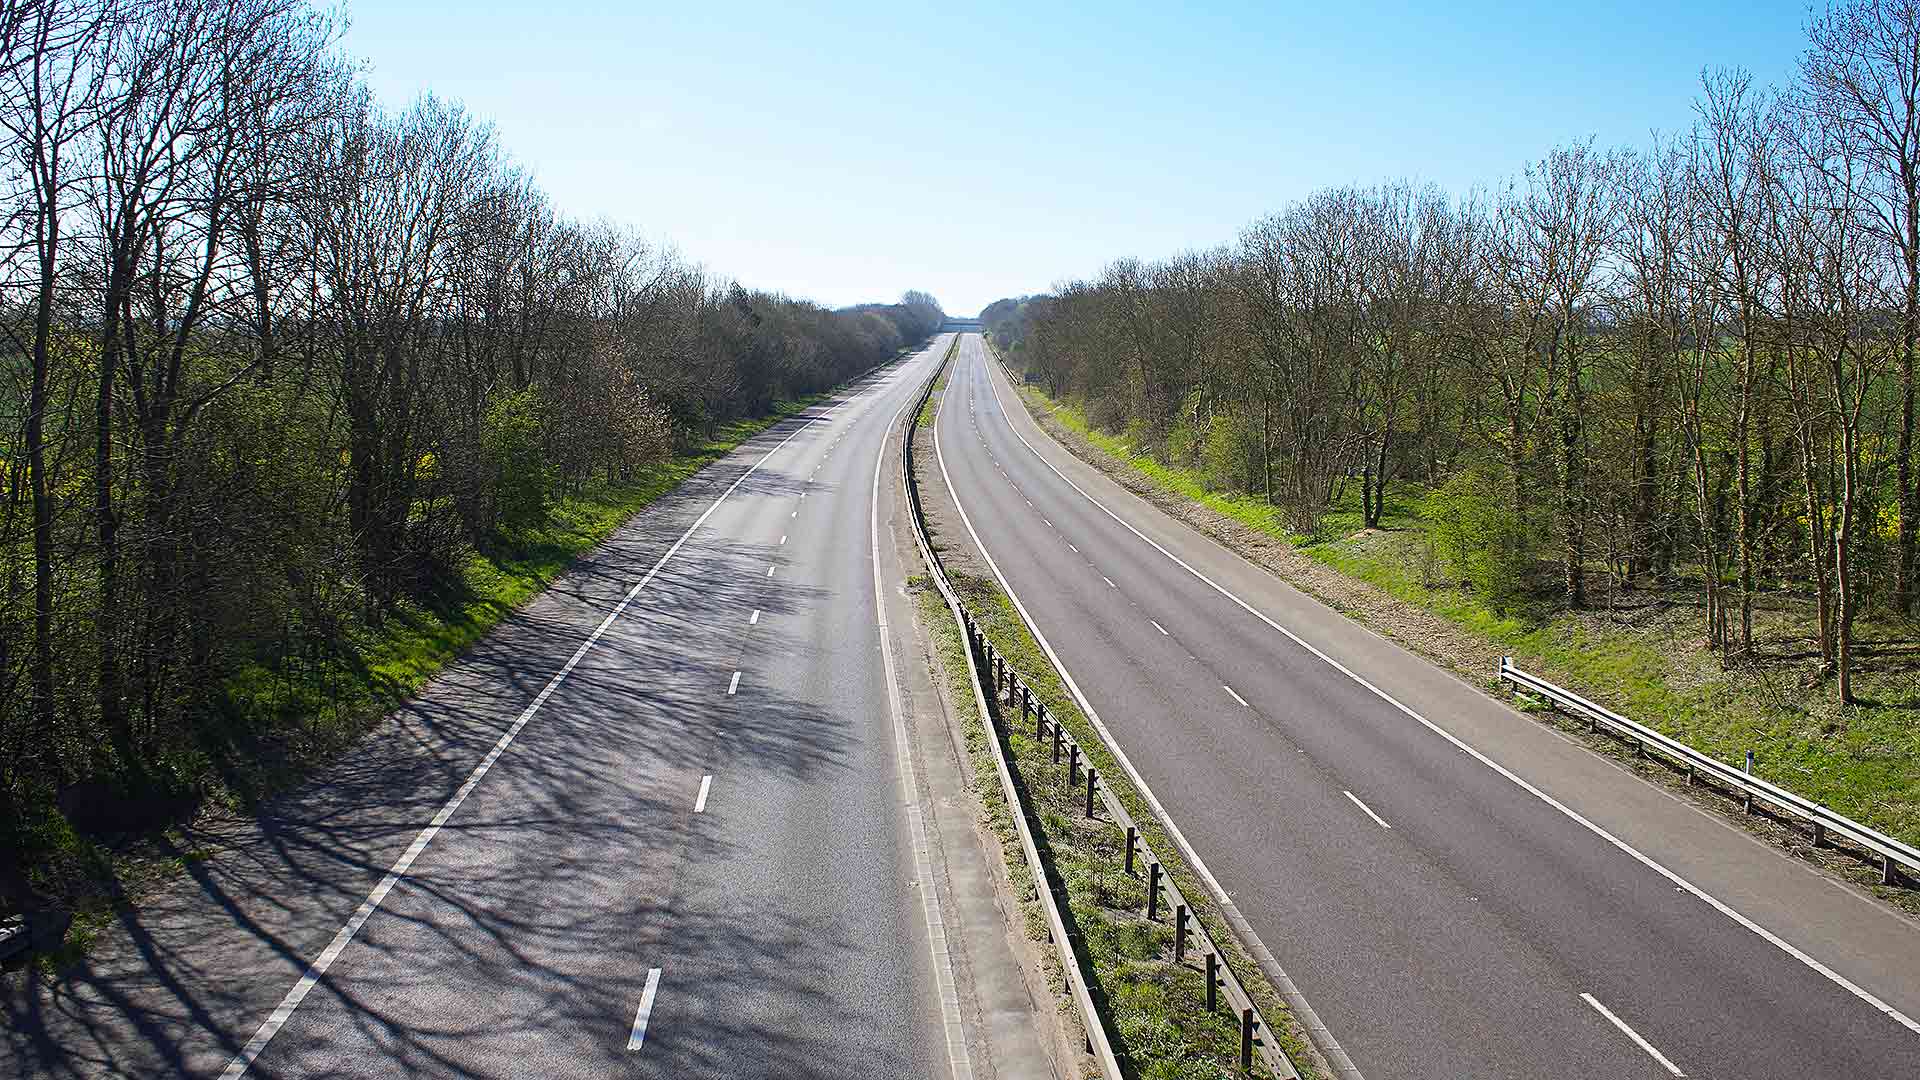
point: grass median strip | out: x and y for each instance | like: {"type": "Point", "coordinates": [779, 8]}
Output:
{"type": "Point", "coordinates": [1157, 1008]}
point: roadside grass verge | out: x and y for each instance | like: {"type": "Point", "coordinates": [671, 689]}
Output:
{"type": "Point", "coordinates": [1647, 662]}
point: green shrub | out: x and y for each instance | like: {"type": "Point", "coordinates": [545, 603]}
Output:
{"type": "Point", "coordinates": [1232, 454]}
{"type": "Point", "coordinates": [1479, 537]}
{"type": "Point", "coordinates": [510, 439]}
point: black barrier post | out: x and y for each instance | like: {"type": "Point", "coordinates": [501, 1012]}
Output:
{"type": "Point", "coordinates": [1153, 890]}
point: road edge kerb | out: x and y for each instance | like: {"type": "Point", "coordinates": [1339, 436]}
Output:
{"type": "Point", "coordinates": [1099, 1040]}
{"type": "Point", "coordinates": [1867, 997]}
{"type": "Point", "coordinates": [1318, 1033]}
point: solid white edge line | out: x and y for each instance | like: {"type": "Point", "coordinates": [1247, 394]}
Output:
{"type": "Point", "coordinates": [1368, 810]}
{"type": "Point", "coordinates": [646, 1010]}
{"type": "Point", "coordinates": [958, 1057]}
{"type": "Point", "coordinates": [734, 685]}
{"type": "Point", "coordinates": [700, 800]}
{"type": "Point", "coordinates": [1632, 1034]}
{"type": "Point", "coordinates": [318, 968]}
{"type": "Point", "coordinates": [1236, 695]}
{"type": "Point", "coordinates": [1625, 848]}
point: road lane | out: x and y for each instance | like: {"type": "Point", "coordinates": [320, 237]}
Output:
{"type": "Point", "coordinates": [577, 916]}
{"type": "Point", "coordinates": [1461, 940]}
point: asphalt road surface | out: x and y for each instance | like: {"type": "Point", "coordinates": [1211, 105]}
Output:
{"type": "Point", "coordinates": [655, 826]}
{"type": "Point", "coordinates": [1458, 891]}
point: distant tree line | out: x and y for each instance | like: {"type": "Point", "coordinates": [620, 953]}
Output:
{"type": "Point", "coordinates": [278, 357]}
{"type": "Point", "coordinates": [1689, 360]}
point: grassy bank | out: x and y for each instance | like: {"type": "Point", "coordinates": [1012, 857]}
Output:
{"type": "Point", "coordinates": [281, 720]}
{"type": "Point", "coordinates": [1645, 659]}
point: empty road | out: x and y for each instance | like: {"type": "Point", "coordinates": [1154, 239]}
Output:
{"type": "Point", "coordinates": [1459, 892]}
{"type": "Point", "coordinates": [656, 826]}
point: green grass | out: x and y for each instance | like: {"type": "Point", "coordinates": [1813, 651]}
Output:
{"type": "Point", "coordinates": [1157, 1008]}
{"type": "Point", "coordinates": [1863, 761]}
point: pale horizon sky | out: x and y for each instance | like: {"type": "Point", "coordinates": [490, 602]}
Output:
{"type": "Point", "coordinates": [983, 151]}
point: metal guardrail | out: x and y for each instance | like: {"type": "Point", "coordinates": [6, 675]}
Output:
{"type": "Point", "coordinates": [1006, 684]}
{"type": "Point", "coordinates": [1892, 853]}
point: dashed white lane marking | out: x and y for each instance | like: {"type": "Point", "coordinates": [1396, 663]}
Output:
{"type": "Point", "coordinates": [318, 969]}
{"type": "Point", "coordinates": [1632, 1034]}
{"type": "Point", "coordinates": [646, 1009]}
{"type": "Point", "coordinates": [1049, 523]}
{"type": "Point", "coordinates": [1377, 819]}
{"type": "Point", "coordinates": [795, 514]}
{"type": "Point", "coordinates": [783, 539]}
{"type": "Point", "coordinates": [1109, 581]}
{"type": "Point", "coordinates": [769, 571]}
{"type": "Point", "coordinates": [734, 685]}
{"type": "Point", "coordinates": [1076, 550]}
{"type": "Point", "coordinates": [1236, 695]}
{"type": "Point", "coordinates": [1163, 630]}
{"type": "Point", "coordinates": [754, 618]}
{"type": "Point", "coordinates": [700, 800]}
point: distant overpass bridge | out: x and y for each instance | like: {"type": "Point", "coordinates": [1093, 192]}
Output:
{"type": "Point", "coordinates": [963, 326]}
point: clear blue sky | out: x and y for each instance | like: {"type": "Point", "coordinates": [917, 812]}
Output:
{"type": "Point", "coordinates": [980, 151]}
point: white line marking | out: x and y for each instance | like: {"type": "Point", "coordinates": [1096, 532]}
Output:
{"type": "Point", "coordinates": [957, 1057]}
{"type": "Point", "coordinates": [646, 1009]}
{"type": "Point", "coordinates": [734, 685]}
{"type": "Point", "coordinates": [1377, 819]}
{"type": "Point", "coordinates": [1076, 550]}
{"type": "Point", "coordinates": [1049, 523]}
{"type": "Point", "coordinates": [318, 969]}
{"type": "Point", "coordinates": [783, 539]}
{"type": "Point", "coordinates": [1632, 1034]}
{"type": "Point", "coordinates": [1109, 581]}
{"type": "Point", "coordinates": [795, 514]}
{"type": "Point", "coordinates": [1625, 848]}
{"type": "Point", "coordinates": [754, 618]}
{"type": "Point", "coordinates": [769, 571]}
{"type": "Point", "coordinates": [1236, 695]}
{"type": "Point", "coordinates": [700, 800]}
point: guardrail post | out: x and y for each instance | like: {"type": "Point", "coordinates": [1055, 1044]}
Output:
{"type": "Point", "coordinates": [1179, 933]}
{"type": "Point", "coordinates": [1039, 720]}
{"type": "Point", "coordinates": [1888, 875]}
{"type": "Point", "coordinates": [1819, 835]}
{"type": "Point", "coordinates": [1056, 744]}
{"type": "Point", "coordinates": [1026, 703]}
{"type": "Point", "coordinates": [1213, 980]}
{"type": "Point", "coordinates": [1133, 840]}
{"type": "Point", "coordinates": [1073, 764]}
{"type": "Point", "coordinates": [1246, 1037]}
{"type": "Point", "coordinates": [1093, 778]}
{"type": "Point", "coordinates": [1749, 792]}
{"type": "Point", "coordinates": [1153, 890]}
